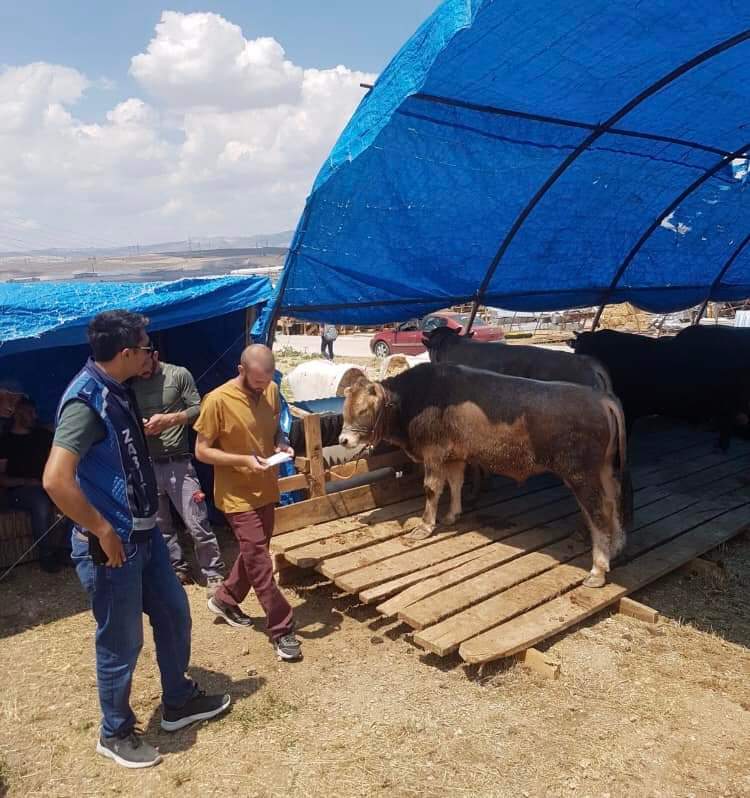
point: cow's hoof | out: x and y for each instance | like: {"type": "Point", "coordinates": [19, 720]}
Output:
{"type": "Point", "coordinates": [450, 519]}
{"type": "Point", "coordinates": [595, 580]}
{"type": "Point", "coordinates": [421, 532]}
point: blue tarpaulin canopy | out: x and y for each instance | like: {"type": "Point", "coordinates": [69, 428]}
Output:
{"type": "Point", "coordinates": [199, 323]}
{"type": "Point", "coordinates": [538, 156]}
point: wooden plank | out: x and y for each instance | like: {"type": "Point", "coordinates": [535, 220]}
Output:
{"type": "Point", "coordinates": [528, 535]}
{"type": "Point", "coordinates": [314, 453]}
{"type": "Point", "coordinates": [682, 467]}
{"type": "Point", "coordinates": [294, 482]}
{"type": "Point", "coordinates": [634, 609]}
{"type": "Point", "coordinates": [332, 547]}
{"type": "Point", "coordinates": [650, 447]}
{"type": "Point", "coordinates": [350, 560]}
{"type": "Point", "coordinates": [368, 518]}
{"type": "Point", "coordinates": [309, 534]}
{"type": "Point", "coordinates": [302, 464]}
{"type": "Point", "coordinates": [344, 503]}
{"type": "Point", "coordinates": [565, 611]}
{"type": "Point", "coordinates": [541, 663]}
{"type": "Point", "coordinates": [354, 581]}
{"type": "Point", "coordinates": [446, 636]}
{"type": "Point", "coordinates": [393, 586]}
{"type": "Point", "coordinates": [434, 604]}
{"type": "Point", "coordinates": [302, 535]}
{"type": "Point", "coordinates": [442, 603]}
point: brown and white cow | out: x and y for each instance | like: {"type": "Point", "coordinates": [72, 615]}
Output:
{"type": "Point", "coordinates": [445, 416]}
{"type": "Point", "coordinates": [445, 345]}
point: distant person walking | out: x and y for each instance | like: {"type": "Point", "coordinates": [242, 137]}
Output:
{"type": "Point", "coordinates": [328, 334]}
{"type": "Point", "coordinates": [169, 403]}
{"type": "Point", "coordinates": [238, 428]}
{"type": "Point", "coordinates": [99, 474]}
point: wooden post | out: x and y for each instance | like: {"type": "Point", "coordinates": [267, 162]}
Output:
{"type": "Point", "coordinates": [634, 609]}
{"type": "Point", "coordinates": [250, 315]}
{"type": "Point", "coordinates": [540, 662]}
{"type": "Point", "coordinates": [314, 453]}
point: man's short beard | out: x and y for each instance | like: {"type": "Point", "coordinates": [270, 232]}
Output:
{"type": "Point", "coordinates": [249, 388]}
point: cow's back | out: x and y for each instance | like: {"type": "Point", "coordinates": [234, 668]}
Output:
{"type": "Point", "coordinates": [529, 362]}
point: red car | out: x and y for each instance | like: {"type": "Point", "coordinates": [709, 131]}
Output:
{"type": "Point", "coordinates": [406, 338]}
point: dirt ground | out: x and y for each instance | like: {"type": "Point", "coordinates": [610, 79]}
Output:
{"type": "Point", "coordinates": [637, 711]}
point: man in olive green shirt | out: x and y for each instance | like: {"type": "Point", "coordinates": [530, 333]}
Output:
{"type": "Point", "coordinates": [169, 403]}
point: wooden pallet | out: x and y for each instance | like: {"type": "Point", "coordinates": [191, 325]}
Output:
{"type": "Point", "coordinates": [509, 573]}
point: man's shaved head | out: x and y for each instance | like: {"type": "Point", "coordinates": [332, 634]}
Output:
{"type": "Point", "coordinates": [259, 356]}
{"type": "Point", "coordinates": [256, 368]}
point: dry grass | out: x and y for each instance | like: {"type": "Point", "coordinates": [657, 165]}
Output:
{"type": "Point", "coordinates": [637, 711]}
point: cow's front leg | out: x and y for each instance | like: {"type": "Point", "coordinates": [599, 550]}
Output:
{"type": "Point", "coordinates": [434, 480]}
{"type": "Point", "coordinates": [454, 473]}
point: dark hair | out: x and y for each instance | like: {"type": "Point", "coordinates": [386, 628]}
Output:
{"type": "Point", "coordinates": [113, 331]}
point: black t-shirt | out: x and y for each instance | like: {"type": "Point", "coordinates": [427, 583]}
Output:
{"type": "Point", "coordinates": [26, 454]}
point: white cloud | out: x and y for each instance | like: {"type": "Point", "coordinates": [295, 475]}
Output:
{"type": "Point", "coordinates": [26, 91]}
{"type": "Point", "coordinates": [202, 59]}
{"type": "Point", "coordinates": [228, 143]}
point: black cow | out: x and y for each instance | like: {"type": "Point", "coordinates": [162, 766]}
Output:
{"type": "Point", "coordinates": [445, 416]}
{"type": "Point", "coordinates": [677, 377]}
{"type": "Point", "coordinates": [533, 362]}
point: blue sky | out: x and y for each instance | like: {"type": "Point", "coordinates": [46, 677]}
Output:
{"type": "Point", "coordinates": [99, 37]}
{"type": "Point", "coordinates": [124, 122]}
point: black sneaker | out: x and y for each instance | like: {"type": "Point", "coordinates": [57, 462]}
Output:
{"type": "Point", "coordinates": [232, 615]}
{"type": "Point", "coordinates": [199, 707]}
{"type": "Point", "coordinates": [130, 751]}
{"type": "Point", "coordinates": [287, 647]}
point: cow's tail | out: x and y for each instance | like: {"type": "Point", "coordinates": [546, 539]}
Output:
{"type": "Point", "coordinates": [602, 376]}
{"type": "Point", "coordinates": [617, 453]}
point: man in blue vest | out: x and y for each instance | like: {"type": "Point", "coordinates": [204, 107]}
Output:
{"type": "Point", "coordinates": [100, 475]}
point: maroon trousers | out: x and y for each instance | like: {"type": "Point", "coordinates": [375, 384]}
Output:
{"type": "Point", "coordinates": [253, 569]}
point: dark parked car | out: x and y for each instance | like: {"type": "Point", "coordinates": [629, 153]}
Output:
{"type": "Point", "coordinates": [406, 338]}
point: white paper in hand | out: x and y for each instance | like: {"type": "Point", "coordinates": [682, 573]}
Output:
{"type": "Point", "coordinates": [277, 459]}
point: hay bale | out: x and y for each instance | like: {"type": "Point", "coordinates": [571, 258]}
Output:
{"type": "Point", "coordinates": [395, 364]}
{"type": "Point", "coordinates": [625, 315]}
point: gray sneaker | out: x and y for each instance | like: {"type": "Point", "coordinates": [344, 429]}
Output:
{"type": "Point", "coordinates": [287, 647]}
{"type": "Point", "coordinates": [131, 751]}
{"type": "Point", "coordinates": [213, 583]}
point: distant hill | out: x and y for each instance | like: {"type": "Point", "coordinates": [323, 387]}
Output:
{"type": "Point", "coordinates": [203, 245]}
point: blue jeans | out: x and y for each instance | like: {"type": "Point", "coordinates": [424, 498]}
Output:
{"type": "Point", "coordinates": [119, 597]}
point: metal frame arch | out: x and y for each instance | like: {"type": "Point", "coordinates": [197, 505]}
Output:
{"type": "Point", "coordinates": [657, 222]}
{"type": "Point", "coordinates": [600, 130]}
{"type": "Point", "coordinates": [717, 280]}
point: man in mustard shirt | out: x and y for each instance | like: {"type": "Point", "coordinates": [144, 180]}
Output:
{"type": "Point", "coordinates": [238, 428]}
